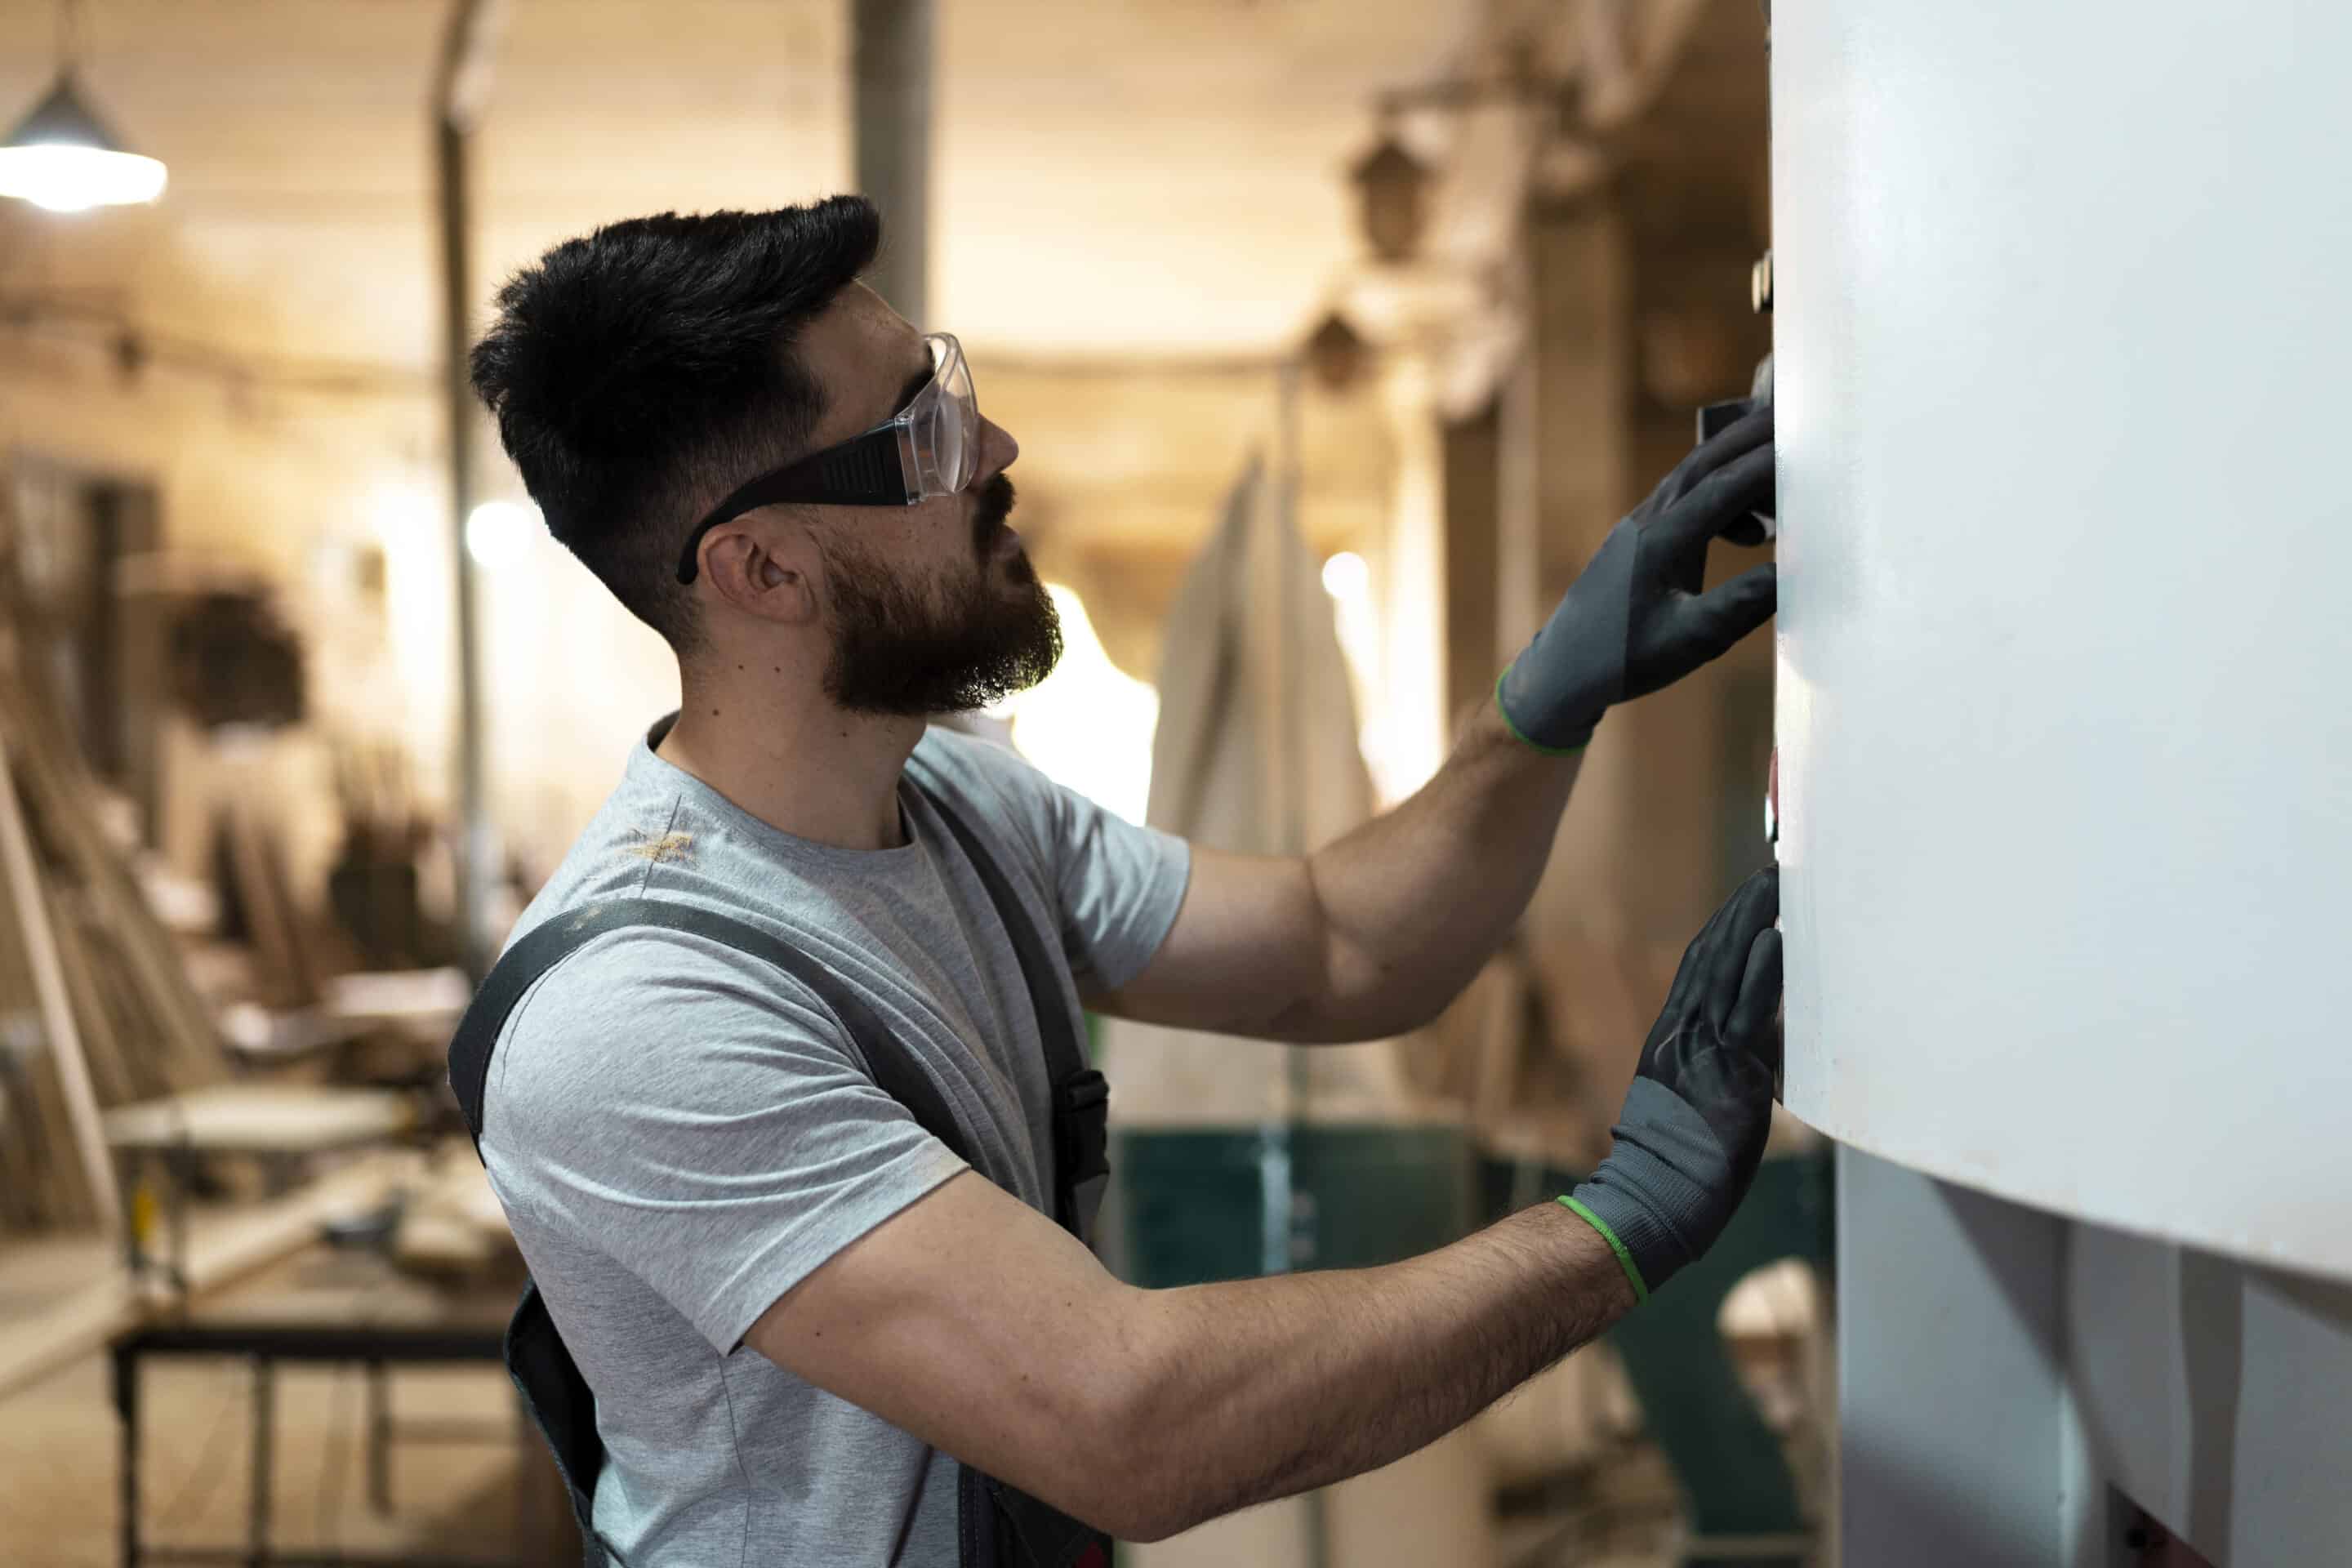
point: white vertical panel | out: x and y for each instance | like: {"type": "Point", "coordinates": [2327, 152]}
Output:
{"type": "Point", "coordinates": [2066, 618]}
{"type": "Point", "coordinates": [1950, 1389]}
{"type": "Point", "coordinates": [2213, 1395]}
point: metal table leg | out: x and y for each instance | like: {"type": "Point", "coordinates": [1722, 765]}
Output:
{"type": "Point", "coordinates": [126, 1407]}
{"type": "Point", "coordinates": [264, 1418]}
{"type": "Point", "coordinates": [379, 1437]}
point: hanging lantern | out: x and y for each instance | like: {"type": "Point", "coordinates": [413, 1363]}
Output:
{"type": "Point", "coordinates": [1336, 353]}
{"type": "Point", "coordinates": [1394, 187]}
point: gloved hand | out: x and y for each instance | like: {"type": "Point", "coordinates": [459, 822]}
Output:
{"type": "Point", "coordinates": [1636, 620]}
{"type": "Point", "coordinates": [1694, 1121]}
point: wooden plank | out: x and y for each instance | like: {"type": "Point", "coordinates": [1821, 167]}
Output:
{"type": "Point", "coordinates": [234, 1245]}
{"type": "Point", "coordinates": [60, 1197]}
{"type": "Point", "coordinates": [59, 784]}
{"type": "Point", "coordinates": [222, 1251]}
{"type": "Point", "coordinates": [36, 1187]}
{"type": "Point", "coordinates": [20, 1176]}
{"type": "Point", "coordinates": [113, 1073]}
{"type": "Point", "coordinates": [262, 1119]}
{"type": "Point", "coordinates": [129, 1019]}
{"type": "Point", "coordinates": [57, 787]}
{"type": "Point", "coordinates": [56, 1007]}
{"type": "Point", "coordinates": [53, 1339]}
{"type": "Point", "coordinates": [167, 1064]}
{"type": "Point", "coordinates": [273, 924]}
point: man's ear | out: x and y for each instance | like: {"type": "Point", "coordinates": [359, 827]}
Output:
{"type": "Point", "coordinates": [759, 564]}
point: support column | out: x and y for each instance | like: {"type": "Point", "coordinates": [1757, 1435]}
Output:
{"type": "Point", "coordinates": [459, 88]}
{"type": "Point", "coordinates": [1565, 440]}
{"type": "Point", "coordinates": [892, 106]}
{"type": "Point", "coordinates": [1414, 728]}
{"type": "Point", "coordinates": [1582, 361]}
{"type": "Point", "coordinates": [1473, 571]}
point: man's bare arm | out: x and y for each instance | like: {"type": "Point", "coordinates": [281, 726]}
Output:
{"type": "Point", "coordinates": [979, 1326]}
{"type": "Point", "coordinates": [1375, 933]}
{"type": "Point", "coordinates": [1336, 1373]}
{"type": "Point", "coordinates": [1372, 934]}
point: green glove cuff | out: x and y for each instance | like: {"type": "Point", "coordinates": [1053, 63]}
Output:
{"type": "Point", "coordinates": [1624, 1258]}
{"type": "Point", "coordinates": [1521, 738]}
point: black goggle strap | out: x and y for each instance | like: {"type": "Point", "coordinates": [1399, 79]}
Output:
{"type": "Point", "coordinates": [864, 470]}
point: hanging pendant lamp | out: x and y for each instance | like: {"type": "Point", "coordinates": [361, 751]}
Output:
{"type": "Point", "coordinates": [63, 157]}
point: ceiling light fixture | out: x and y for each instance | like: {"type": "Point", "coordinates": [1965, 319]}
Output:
{"type": "Point", "coordinates": [62, 157]}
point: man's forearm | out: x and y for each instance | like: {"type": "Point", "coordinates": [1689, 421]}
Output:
{"type": "Point", "coordinates": [1416, 899]}
{"type": "Point", "coordinates": [1260, 1388]}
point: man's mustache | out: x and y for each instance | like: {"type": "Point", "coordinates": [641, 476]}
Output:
{"type": "Point", "coordinates": [996, 498]}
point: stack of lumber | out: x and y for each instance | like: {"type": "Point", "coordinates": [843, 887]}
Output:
{"type": "Point", "coordinates": [253, 882]}
{"type": "Point", "coordinates": [96, 1005]}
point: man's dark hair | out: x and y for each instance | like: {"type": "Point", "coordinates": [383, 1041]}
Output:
{"type": "Point", "coordinates": [645, 371]}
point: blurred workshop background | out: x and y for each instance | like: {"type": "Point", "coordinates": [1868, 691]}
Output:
{"type": "Point", "coordinates": [1335, 334]}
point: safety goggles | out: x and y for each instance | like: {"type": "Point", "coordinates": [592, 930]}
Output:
{"type": "Point", "coordinates": [930, 449]}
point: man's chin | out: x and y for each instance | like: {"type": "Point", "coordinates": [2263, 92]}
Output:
{"type": "Point", "coordinates": [1006, 556]}
{"type": "Point", "coordinates": [975, 702]}
{"type": "Point", "coordinates": [960, 687]}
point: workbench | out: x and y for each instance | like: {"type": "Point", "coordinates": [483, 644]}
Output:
{"type": "Point", "coordinates": [325, 1305]}
{"type": "Point", "coordinates": [284, 1127]}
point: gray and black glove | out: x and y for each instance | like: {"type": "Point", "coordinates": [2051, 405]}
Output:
{"type": "Point", "coordinates": [1637, 620]}
{"type": "Point", "coordinates": [1695, 1121]}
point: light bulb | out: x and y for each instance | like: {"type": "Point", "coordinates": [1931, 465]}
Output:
{"type": "Point", "coordinates": [66, 178]}
{"type": "Point", "coordinates": [1346, 577]}
{"type": "Point", "coordinates": [499, 533]}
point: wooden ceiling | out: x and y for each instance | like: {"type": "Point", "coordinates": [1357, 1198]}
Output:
{"type": "Point", "coordinates": [1162, 175]}
{"type": "Point", "coordinates": [1156, 187]}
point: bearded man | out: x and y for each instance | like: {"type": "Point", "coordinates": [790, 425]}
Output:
{"type": "Point", "coordinates": [776, 1081]}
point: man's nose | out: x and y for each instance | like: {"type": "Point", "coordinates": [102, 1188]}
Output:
{"type": "Point", "coordinates": [998, 449]}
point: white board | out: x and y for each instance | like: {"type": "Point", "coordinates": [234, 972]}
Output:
{"type": "Point", "coordinates": [2063, 326]}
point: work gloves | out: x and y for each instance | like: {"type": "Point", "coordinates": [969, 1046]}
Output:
{"type": "Point", "coordinates": [1694, 1121]}
{"type": "Point", "coordinates": [1637, 620]}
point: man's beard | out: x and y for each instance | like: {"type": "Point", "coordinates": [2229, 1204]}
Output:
{"type": "Point", "coordinates": [994, 632]}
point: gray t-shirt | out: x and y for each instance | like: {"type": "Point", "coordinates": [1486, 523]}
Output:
{"type": "Point", "coordinates": [680, 1133]}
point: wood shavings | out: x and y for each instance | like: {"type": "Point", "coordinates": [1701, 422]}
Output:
{"type": "Point", "coordinates": [661, 849]}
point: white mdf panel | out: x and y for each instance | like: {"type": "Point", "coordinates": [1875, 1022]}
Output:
{"type": "Point", "coordinates": [2064, 325]}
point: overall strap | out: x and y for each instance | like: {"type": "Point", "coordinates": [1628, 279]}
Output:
{"type": "Point", "coordinates": [1081, 1096]}
{"type": "Point", "coordinates": [894, 1070]}
{"type": "Point", "coordinates": [1047, 998]}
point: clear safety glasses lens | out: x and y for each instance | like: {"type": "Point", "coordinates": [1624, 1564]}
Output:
{"type": "Point", "coordinates": [940, 439]}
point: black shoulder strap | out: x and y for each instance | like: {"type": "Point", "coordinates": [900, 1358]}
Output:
{"type": "Point", "coordinates": [1063, 1057]}
{"type": "Point", "coordinates": [1078, 1092]}
{"type": "Point", "coordinates": [477, 1031]}
{"type": "Point", "coordinates": [1081, 1097]}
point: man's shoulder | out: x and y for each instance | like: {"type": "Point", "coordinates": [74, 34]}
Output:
{"type": "Point", "coordinates": [646, 1020]}
{"type": "Point", "coordinates": [609, 856]}
{"type": "Point", "coordinates": [645, 972]}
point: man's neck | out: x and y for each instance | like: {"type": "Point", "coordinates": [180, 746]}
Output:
{"type": "Point", "coordinates": [794, 760]}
